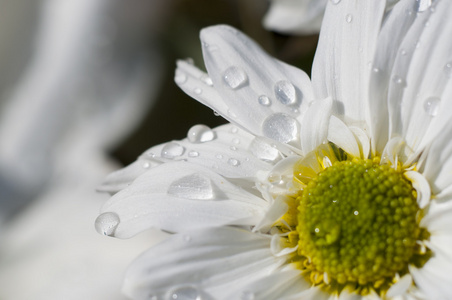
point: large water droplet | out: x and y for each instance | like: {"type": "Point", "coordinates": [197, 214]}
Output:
{"type": "Point", "coordinates": [172, 150]}
{"type": "Point", "coordinates": [280, 127]}
{"type": "Point", "coordinates": [200, 134]}
{"type": "Point", "coordinates": [235, 77]}
{"type": "Point", "coordinates": [448, 69]}
{"type": "Point", "coordinates": [285, 92]}
{"type": "Point", "coordinates": [107, 223]}
{"type": "Point", "coordinates": [185, 293]}
{"type": "Point", "coordinates": [180, 77]}
{"type": "Point", "coordinates": [349, 18]}
{"type": "Point", "coordinates": [194, 186]}
{"type": "Point", "coordinates": [263, 150]}
{"type": "Point", "coordinates": [431, 106]}
{"type": "Point", "coordinates": [264, 100]}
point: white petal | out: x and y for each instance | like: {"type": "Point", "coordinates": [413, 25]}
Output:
{"type": "Point", "coordinates": [438, 163]}
{"type": "Point", "coordinates": [342, 136]}
{"type": "Point", "coordinates": [401, 286]}
{"type": "Point", "coordinates": [347, 44]}
{"type": "Point", "coordinates": [422, 187]}
{"type": "Point", "coordinates": [421, 107]}
{"type": "Point", "coordinates": [180, 196]}
{"type": "Point", "coordinates": [254, 86]}
{"type": "Point", "coordinates": [226, 152]}
{"type": "Point", "coordinates": [438, 220]}
{"type": "Point", "coordinates": [391, 36]}
{"type": "Point", "coordinates": [295, 16]}
{"type": "Point", "coordinates": [214, 261]}
{"type": "Point", "coordinates": [277, 209]}
{"type": "Point", "coordinates": [363, 141]}
{"type": "Point", "coordinates": [315, 125]}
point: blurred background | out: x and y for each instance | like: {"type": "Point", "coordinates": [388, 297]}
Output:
{"type": "Point", "coordinates": [85, 87]}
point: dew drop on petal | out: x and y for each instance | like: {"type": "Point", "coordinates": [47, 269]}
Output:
{"type": "Point", "coordinates": [403, 52]}
{"type": "Point", "coordinates": [263, 150]}
{"type": "Point", "coordinates": [197, 91]}
{"type": "Point", "coordinates": [431, 106]}
{"type": "Point", "coordinates": [172, 150]}
{"type": "Point", "coordinates": [180, 77]}
{"type": "Point", "coordinates": [285, 92]}
{"type": "Point", "coordinates": [236, 141]}
{"type": "Point", "coordinates": [247, 295]}
{"type": "Point", "coordinates": [200, 134]}
{"type": "Point", "coordinates": [194, 186]}
{"type": "Point", "coordinates": [235, 77]}
{"type": "Point", "coordinates": [398, 80]}
{"type": "Point", "coordinates": [280, 127]}
{"type": "Point", "coordinates": [185, 293]}
{"type": "Point", "coordinates": [219, 156]}
{"type": "Point", "coordinates": [349, 18]}
{"type": "Point", "coordinates": [193, 154]}
{"type": "Point", "coordinates": [233, 148]}
{"type": "Point", "coordinates": [146, 165]}
{"type": "Point", "coordinates": [264, 100]}
{"type": "Point", "coordinates": [233, 162]}
{"type": "Point", "coordinates": [107, 223]}
{"type": "Point", "coordinates": [448, 69]}
{"type": "Point", "coordinates": [234, 129]}
{"type": "Point", "coordinates": [206, 79]}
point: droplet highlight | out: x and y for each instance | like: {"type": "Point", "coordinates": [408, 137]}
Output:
{"type": "Point", "coordinates": [431, 106]}
{"type": "Point", "coordinates": [285, 92]}
{"type": "Point", "coordinates": [107, 223]}
{"type": "Point", "coordinates": [264, 100]}
{"type": "Point", "coordinates": [335, 1]}
{"type": "Point", "coordinates": [349, 18]}
{"type": "Point", "coordinates": [280, 127]}
{"type": "Point", "coordinates": [200, 134]}
{"type": "Point", "coordinates": [172, 150]}
{"type": "Point", "coordinates": [235, 77]}
{"type": "Point", "coordinates": [233, 162]}
{"type": "Point", "coordinates": [194, 187]}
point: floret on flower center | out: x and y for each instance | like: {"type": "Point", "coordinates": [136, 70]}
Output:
{"type": "Point", "coordinates": [356, 220]}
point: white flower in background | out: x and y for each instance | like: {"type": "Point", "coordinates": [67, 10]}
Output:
{"type": "Point", "coordinates": [299, 16]}
{"type": "Point", "coordinates": [337, 187]}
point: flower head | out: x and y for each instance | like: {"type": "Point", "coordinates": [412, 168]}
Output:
{"type": "Point", "coordinates": [334, 187]}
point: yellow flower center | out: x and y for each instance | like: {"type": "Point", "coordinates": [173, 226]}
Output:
{"type": "Point", "coordinates": [357, 222]}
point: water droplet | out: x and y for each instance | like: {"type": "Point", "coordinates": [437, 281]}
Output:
{"type": "Point", "coordinates": [403, 52]}
{"type": "Point", "coordinates": [200, 134]}
{"type": "Point", "coordinates": [146, 165]}
{"type": "Point", "coordinates": [107, 223]}
{"type": "Point", "coordinates": [356, 212]}
{"type": "Point", "coordinates": [207, 80]}
{"type": "Point", "coordinates": [431, 106]}
{"type": "Point", "coordinates": [235, 77]}
{"type": "Point", "coordinates": [375, 70]}
{"type": "Point", "coordinates": [197, 91]}
{"type": "Point", "coordinates": [185, 293]}
{"type": "Point", "coordinates": [172, 150]}
{"type": "Point", "coordinates": [194, 186]}
{"type": "Point", "coordinates": [236, 141]}
{"type": "Point", "coordinates": [317, 230]}
{"type": "Point", "coordinates": [247, 295]}
{"type": "Point", "coordinates": [285, 92]}
{"type": "Point", "coordinates": [233, 148]}
{"type": "Point", "coordinates": [180, 77]}
{"type": "Point", "coordinates": [233, 162]}
{"type": "Point", "coordinates": [280, 127]}
{"type": "Point", "coordinates": [219, 156]}
{"type": "Point", "coordinates": [216, 114]}
{"type": "Point", "coordinates": [264, 100]}
{"type": "Point", "coordinates": [398, 80]}
{"type": "Point", "coordinates": [264, 151]}
{"type": "Point", "coordinates": [349, 18]}
{"type": "Point", "coordinates": [448, 69]}
{"type": "Point", "coordinates": [193, 154]}
{"type": "Point", "coordinates": [151, 154]}
{"type": "Point", "coordinates": [335, 1]}
{"type": "Point", "coordinates": [234, 129]}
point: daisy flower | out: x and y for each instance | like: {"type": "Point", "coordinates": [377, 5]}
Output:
{"type": "Point", "coordinates": [334, 187]}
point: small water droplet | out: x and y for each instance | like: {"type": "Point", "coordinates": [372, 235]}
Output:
{"type": "Point", "coordinates": [285, 92]}
{"type": "Point", "coordinates": [180, 77]}
{"type": "Point", "coordinates": [403, 52]}
{"type": "Point", "coordinates": [448, 69]}
{"type": "Point", "coordinates": [194, 186]}
{"type": "Point", "coordinates": [193, 154]}
{"type": "Point", "coordinates": [146, 165]}
{"type": "Point", "coordinates": [280, 127]}
{"type": "Point", "coordinates": [207, 80]}
{"type": "Point", "coordinates": [375, 70]}
{"type": "Point", "coordinates": [236, 141]}
{"type": "Point", "coordinates": [408, 12]}
{"type": "Point", "coordinates": [107, 223]}
{"type": "Point", "coordinates": [349, 18]}
{"type": "Point", "coordinates": [151, 154]}
{"type": "Point", "coordinates": [200, 134]}
{"type": "Point", "coordinates": [234, 129]}
{"type": "Point", "coordinates": [185, 293]}
{"type": "Point", "coordinates": [233, 162]}
{"type": "Point", "coordinates": [197, 91]}
{"type": "Point", "coordinates": [317, 230]}
{"type": "Point", "coordinates": [219, 156]}
{"type": "Point", "coordinates": [262, 150]}
{"type": "Point", "coordinates": [235, 77]}
{"type": "Point", "coordinates": [335, 1]}
{"type": "Point", "coordinates": [264, 100]}
{"type": "Point", "coordinates": [431, 106]}
{"type": "Point", "coordinates": [398, 80]}
{"type": "Point", "coordinates": [216, 114]}
{"type": "Point", "coordinates": [233, 148]}
{"type": "Point", "coordinates": [356, 212]}
{"type": "Point", "coordinates": [172, 150]}
{"type": "Point", "coordinates": [247, 295]}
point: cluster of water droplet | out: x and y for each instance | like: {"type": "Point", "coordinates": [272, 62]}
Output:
{"type": "Point", "coordinates": [357, 222]}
